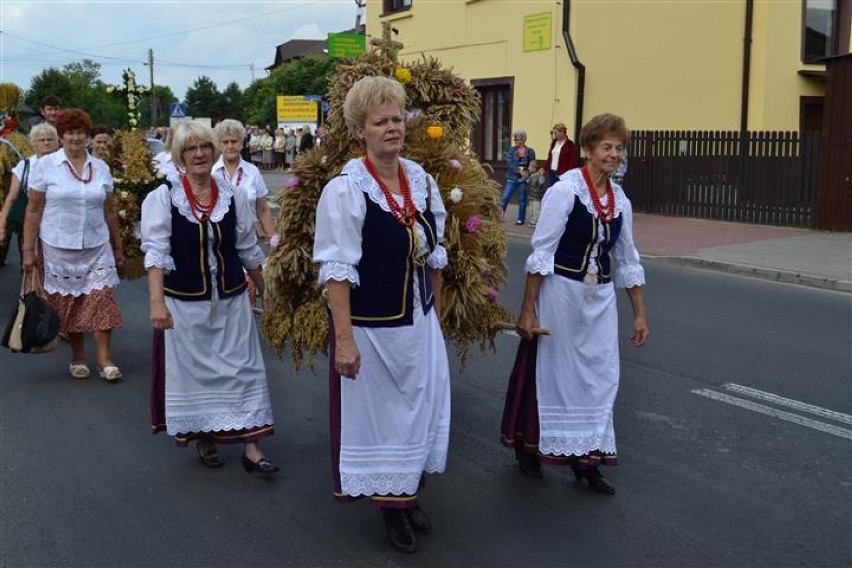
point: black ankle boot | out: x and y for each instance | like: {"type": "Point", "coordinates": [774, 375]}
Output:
{"type": "Point", "coordinates": [597, 482]}
{"type": "Point", "coordinates": [527, 463]}
{"type": "Point", "coordinates": [400, 532]}
{"type": "Point", "coordinates": [419, 521]}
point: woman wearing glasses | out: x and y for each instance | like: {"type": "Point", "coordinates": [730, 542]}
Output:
{"type": "Point", "coordinates": [209, 376]}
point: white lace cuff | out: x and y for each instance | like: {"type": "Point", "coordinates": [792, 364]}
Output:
{"type": "Point", "coordinates": [159, 260]}
{"type": "Point", "coordinates": [540, 263]}
{"type": "Point", "coordinates": [338, 271]}
{"type": "Point", "coordinates": [629, 276]}
{"type": "Point", "coordinates": [438, 258]}
{"type": "Point", "coordinates": [253, 258]}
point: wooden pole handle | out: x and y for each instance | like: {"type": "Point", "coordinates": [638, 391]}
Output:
{"type": "Point", "coordinates": [511, 327]}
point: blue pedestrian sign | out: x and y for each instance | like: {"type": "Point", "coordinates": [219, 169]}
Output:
{"type": "Point", "coordinates": [177, 110]}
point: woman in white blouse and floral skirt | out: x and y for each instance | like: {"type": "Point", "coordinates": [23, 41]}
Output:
{"type": "Point", "coordinates": [559, 405]}
{"type": "Point", "coordinates": [71, 209]}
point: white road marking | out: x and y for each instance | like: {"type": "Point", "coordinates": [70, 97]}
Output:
{"type": "Point", "coordinates": [789, 403]}
{"type": "Point", "coordinates": [774, 412]}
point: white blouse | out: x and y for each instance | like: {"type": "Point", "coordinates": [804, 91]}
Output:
{"type": "Point", "coordinates": [165, 164]}
{"type": "Point", "coordinates": [248, 175]}
{"type": "Point", "coordinates": [156, 226]}
{"type": "Point", "coordinates": [73, 211]}
{"type": "Point", "coordinates": [18, 170]}
{"type": "Point", "coordinates": [556, 206]}
{"type": "Point", "coordinates": [342, 209]}
{"type": "Point", "coordinates": [554, 155]}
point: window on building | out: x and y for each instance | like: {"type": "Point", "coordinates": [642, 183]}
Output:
{"type": "Point", "coordinates": [396, 5]}
{"type": "Point", "coordinates": [810, 113]}
{"type": "Point", "coordinates": [492, 135]}
{"type": "Point", "coordinates": [825, 28]}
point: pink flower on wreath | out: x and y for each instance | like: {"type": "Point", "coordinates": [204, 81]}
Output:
{"type": "Point", "coordinates": [292, 182]}
{"type": "Point", "coordinates": [472, 224]}
{"type": "Point", "coordinates": [456, 165]}
{"type": "Point", "coordinates": [493, 294]}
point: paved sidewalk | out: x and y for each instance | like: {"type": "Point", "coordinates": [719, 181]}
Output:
{"type": "Point", "coordinates": [799, 256]}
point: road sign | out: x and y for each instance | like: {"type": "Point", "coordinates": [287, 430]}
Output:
{"type": "Point", "coordinates": [296, 109]}
{"type": "Point", "coordinates": [177, 110]}
{"type": "Point", "coordinates": [346, 45]}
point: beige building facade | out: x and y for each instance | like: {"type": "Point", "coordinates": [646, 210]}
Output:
{"type": "Point", "coordinates": [674, 65]}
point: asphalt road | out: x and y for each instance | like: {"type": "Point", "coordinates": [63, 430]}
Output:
{"type": "Point", "coordinates": [702, 482]}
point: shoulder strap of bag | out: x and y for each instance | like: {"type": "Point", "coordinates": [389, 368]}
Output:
{"type": "Point", "coordinates": [25, 178]}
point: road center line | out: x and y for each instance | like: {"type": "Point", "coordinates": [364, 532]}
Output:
{"type": "Point", "coordinates": [774, 412]}
{"type": "Point", "coordinates": [789, 403]}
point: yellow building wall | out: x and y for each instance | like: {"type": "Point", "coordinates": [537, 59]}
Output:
{"type": "Point", "coordinates": [661, 65]}
{"type": "Point", "coordinates": [776, 84]}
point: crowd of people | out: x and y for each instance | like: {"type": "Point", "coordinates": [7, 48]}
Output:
{"type": "Point", "coordinates": [379, 249]}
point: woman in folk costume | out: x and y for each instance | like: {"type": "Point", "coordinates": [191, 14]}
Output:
{"type": "Point", "coordinates": [379, 228]}
{"type": "Point", "coordinates": [198, 237]}
{"type": "Point", "coordinates": [559, 405]}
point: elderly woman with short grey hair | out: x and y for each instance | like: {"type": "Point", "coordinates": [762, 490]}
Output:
{"type": "Point", "coordinates": [243, 175]}
{"type": "Point", "coordinates": [379, 229]}
{"type": "Point", "coordinates": [518, 160]}
{"type": "Point", "coordinates": [209, 376]}
{"type": "Point", "coordinates": [45, 140]}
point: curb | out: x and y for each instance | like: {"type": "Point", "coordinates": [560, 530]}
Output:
{"type": "Point", "coordinates": [775, 275]}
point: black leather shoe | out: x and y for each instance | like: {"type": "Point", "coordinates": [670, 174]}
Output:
{"type": "Point", "coordinates": [209, 456]}
{"type": "Point", "coordinates": [419, 521]}
{"type": "Point", "coordinates": [597, 482]}
{"type": "Point", "coordinates": [528, 464]}
{"type": "Point", "coordinates": [400, 532]}
{"type": "Point", "coordinates": [263, 465]}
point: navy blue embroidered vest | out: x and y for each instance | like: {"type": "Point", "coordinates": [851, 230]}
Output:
{"type": "Point", "coordinates": [577, 245]}
{"type": "Point", "coordinates": [192, 278]}
{"type": "Point", "coordinates": [387, 271]}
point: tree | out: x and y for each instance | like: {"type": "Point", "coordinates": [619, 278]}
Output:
{"type": "Point", "coordinates": [203, 98]}
{"type": "Point", "coordinates": [51, 81]}
{"type": "Point", "coordinates": [232, 102]}
{"type": "Point", "coordinates": [88, 71]}
{"type": "Point", "coordinates": [163, 97]}
{"type": "Point", "coordinates": [306, 76]}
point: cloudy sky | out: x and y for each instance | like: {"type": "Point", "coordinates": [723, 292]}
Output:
{"type": "Point", "coordinates": [189, 38]}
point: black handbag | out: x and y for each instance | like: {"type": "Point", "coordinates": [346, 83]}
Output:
{"type": "Point", "coordinates": [34, 325]}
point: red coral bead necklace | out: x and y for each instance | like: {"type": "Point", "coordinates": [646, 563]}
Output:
{"type": "Point", "coordinates": [199, 211]}
{"type": "Point", "coordinates": [605, 212]}
{"type": "Point", "coordinates": [74, 173]}
{"type": "Point", "coordinates": [404, 214]}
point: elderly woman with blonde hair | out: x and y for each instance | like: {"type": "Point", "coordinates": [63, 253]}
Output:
{"type": "Point", "coordinates": [379, 232]}
{"type": "Point", "coordinates": [209, 375]}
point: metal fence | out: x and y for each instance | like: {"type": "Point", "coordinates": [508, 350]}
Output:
{"type": "Point", "coordinates": [708, 175]}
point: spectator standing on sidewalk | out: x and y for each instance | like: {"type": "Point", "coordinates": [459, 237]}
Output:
{"type": "Point", "coordinates": [306, 142]}
{"type": "Point", "coordinates": [535, 191]}
{"type": "Point", "coordinates": [562, 155]}
{"type": "Point", "coordinates": [518, 159]}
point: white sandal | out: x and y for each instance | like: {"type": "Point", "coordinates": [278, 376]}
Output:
{"type": "Point", "coordinates": [110, 373]}
{"type": "Point", "coordinates": [79, 370]}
